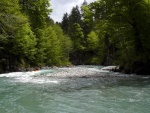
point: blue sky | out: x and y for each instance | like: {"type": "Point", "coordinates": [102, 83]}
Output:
{"type": "Point", "coordinates": [62, 6]}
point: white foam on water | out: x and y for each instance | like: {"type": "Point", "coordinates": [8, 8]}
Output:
{"type": "Point", "coordinates": [30, 77]}
{"type": "Point", "coordinates": [41, 81]}
{"type": "Point", "coordinates": [94, 69]}
{"type": "Point", "coordinates": [37, 80]}
{"type": "Point", "coordinates": [109, 68]}
{"type": "Point", "coordinates": [20, 74]}
{"type": "Point", "coordinates": [98, 70]}
{"type": "Point", "coordinates": [14, 74]}
{"type": "Point", "coordinates": [61, 72]}
{"type": "Point", "coordinates": [25, 74]}
{"type": "Point", "coordinates": [43, 76]}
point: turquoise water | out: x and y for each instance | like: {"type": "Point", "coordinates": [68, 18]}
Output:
{"type": "Point", "coordinates": [35, 93]}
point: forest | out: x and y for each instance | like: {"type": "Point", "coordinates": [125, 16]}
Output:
{"type": "Point", "coordinates": [105, 32]}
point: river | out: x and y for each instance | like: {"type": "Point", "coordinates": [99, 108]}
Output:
{"type": "Point", "coordinates": [80, 89]}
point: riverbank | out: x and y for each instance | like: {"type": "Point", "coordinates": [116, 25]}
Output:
{"type": "Point", "coordinates": [33, 68]}
{"type": "Point", "coordinates": [78, 71]}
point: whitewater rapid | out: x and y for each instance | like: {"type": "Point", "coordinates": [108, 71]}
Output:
{"type": "Point", "coordinates": [42, 76]}
{"type": "Point", "coordinates": [78, 89]}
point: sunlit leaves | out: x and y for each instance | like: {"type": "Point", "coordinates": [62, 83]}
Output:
{"type": "Point", "coordinates": [92, 41]}
{"type": "Point", "coordinates": [78, 37]}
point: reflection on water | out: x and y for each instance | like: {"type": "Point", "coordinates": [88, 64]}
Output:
{"type": "Point", "coordinates": [39, 93]}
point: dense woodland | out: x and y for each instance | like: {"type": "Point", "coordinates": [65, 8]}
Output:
{"type": "Point", "coordinates": [105, 32]}
{"type": "Point", "coordinates": [29, 38]}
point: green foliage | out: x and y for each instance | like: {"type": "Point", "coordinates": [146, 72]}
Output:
{"type": "Point", "coordinates": [40, 55]}
{"type": "Point", "coordinates": [78, 37]}
{"type": "Point", "coordinates": [122, 27]}
{"type": "Point", "coordinates": [92, 41]}
{"type": "Point", "coordinates": [105, 32]}
{"type": "Point", "coordinates": [24, 42]}
{"type": "Point", "coordinates": [52, 47]}
{"type": "Point", "coordinates": [37, 11]}
{"type": "Point", "coordinates": [65, 23]}
{"type": "Point", "coordinates": [65, 45]}
{"type": "Point", "coordinates": [28, 37]}
{"type": "Point", "coordinates": [88, 21]}
{"type": "Point", "coordinates": [74, 26]}
{"type": "Point", "coordinates": [75, 16]}
{"type": "Point", "coordinates": [15, 34]}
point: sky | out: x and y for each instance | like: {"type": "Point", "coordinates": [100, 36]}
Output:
{"type": "Point", "coordinates": [60, 7]}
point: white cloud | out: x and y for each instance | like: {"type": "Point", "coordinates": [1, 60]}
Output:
{"type": "Point", "coordinates": [62, 6]}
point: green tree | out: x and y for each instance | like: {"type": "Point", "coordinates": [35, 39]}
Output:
{"type": "Point", "coordinates": [40, 55]}
{"type": "Point", "coordinates": [92, 48]}
{"type": "Point", "coordinates": [92, 41]}
{"type": "Point", "coordinates": [24, 43]}
{"type": "Point", "coordinates": [74, 17]}
{"type": "Point", "coordinates": [15, 34]}
{"type": "Point", "coordinates": [78, 44]}
{"type": "Point", "coordinates": [65, 43]}
{"type": "Point", "coordinates": [52, 47]}
{"type": "Point", "coordinates": [78, 37]}
{"type": "Point", "coordinates": [129, 22]}
{"type": "Point", "coordinates": [65, 23]}
{"type": "Point", "coordinates": [37, 11]}
{"type": "Point", "coordinates": [87, 19]}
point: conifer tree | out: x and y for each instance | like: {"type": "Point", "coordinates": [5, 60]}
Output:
{"type": "Point", "coordinates": [74, 17]}
{"type": "Point", "coordinates": [65, 23]}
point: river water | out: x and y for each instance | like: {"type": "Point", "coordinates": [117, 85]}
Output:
{"type": "Point", "coordinates": [82, 89]}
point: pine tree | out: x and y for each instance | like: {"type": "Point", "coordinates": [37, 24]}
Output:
{"type": "Point", "coordinates": [74, 17]}
{"type": "Point", "coordinates": [65, 23]}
